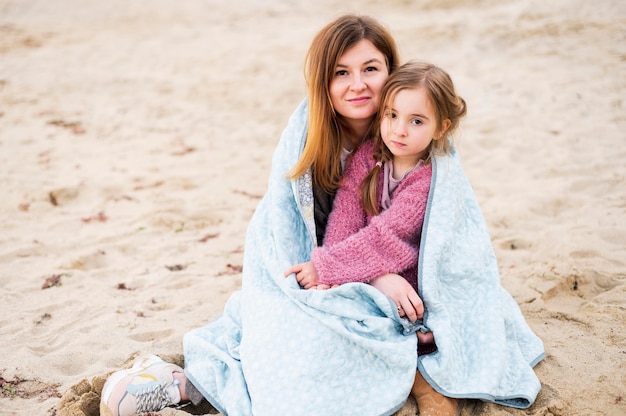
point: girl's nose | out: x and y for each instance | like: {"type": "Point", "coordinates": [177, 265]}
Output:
{"type": "Point", "coordinates": [399, 129]}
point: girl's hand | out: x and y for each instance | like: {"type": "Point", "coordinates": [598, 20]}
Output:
{"type": "Point", "coordinates": [306, 275]}
{"type": "Point", "coordinates": [402, 293]}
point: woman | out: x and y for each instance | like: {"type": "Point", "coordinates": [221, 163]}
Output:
{"type": "Point", "coordinates": [278, 349]}
{"type": "Point", "coordinates": [346, 67]}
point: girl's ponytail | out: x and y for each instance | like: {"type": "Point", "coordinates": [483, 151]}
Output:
{"type": "Point", "coordinates": [369, 186]}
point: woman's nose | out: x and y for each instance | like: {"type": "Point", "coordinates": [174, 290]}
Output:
{"type": "Point", "coordinates": [357, 83]}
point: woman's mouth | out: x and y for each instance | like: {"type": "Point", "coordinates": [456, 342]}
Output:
{"type": "Point", "coordinates": [359, 100]}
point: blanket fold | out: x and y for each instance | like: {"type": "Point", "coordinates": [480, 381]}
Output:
{"type": "Point", "coordinates": [279, 349]}
{"type": "Point", "coordinates": [485, 348]}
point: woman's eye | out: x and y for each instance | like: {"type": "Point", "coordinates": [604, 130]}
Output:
{"type": "Point", "coordinates": [341, 72]}
{"type": "Point", "coordinates": [371, 69]}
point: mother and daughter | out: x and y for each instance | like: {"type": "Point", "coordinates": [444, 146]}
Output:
{"type": "Point", "coordinates": [366, 200]}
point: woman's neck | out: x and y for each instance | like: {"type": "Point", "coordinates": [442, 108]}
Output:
{"type": "Point", "coordinates": [357, 132]}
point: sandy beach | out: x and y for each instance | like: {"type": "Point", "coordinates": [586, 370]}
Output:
{"type": "Point", "coordinates": [136, 140]}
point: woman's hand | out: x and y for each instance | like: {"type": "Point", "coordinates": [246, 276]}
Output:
{"type": "Point", "coordinates": [306, 275]}
{"type": "Point", "coordinates": [402, 293]}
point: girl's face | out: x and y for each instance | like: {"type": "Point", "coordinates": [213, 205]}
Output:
{"type": "Point", "coordinates": [357, 83]}
{"type": "Point", "coordinates": [409, 125]}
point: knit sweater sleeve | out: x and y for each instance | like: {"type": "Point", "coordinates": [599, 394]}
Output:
{"type": "Point", "coordinates": [388, 244]}
{"type": "Point", "coordinates": [348, 216]}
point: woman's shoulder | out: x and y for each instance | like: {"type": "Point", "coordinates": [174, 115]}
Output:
{"type": "Point", "coordinates": [366, 148]}
{"type": "Point", "coordinates": [360, 161]}
{"type": "Point", "coordinates": [362, 158]}
{"type": "Point", "coordinates": [364, 153]}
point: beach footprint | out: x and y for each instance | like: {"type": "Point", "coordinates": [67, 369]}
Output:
{"type": "Point", "coordinates": [515, 244]}
{"type": "Point", "coordinates": [93, 259]}
{"type": "Point", "coordinates": [63, 195]}
{"type": "Point", "coordinates": [584, 286]}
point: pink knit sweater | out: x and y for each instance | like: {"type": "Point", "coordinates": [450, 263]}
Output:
{"type": "Point", "coordinates": [359, 247]}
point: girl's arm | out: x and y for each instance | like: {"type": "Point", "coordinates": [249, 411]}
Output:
{"type": "Point", "coordinates": [388, 244]}
{"type": "Point", "coordinates": [347, 216]}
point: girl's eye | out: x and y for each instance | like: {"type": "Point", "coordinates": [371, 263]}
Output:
{"type": "Point", "coordinates": [416, 121]}
{"type": "Point", "coordinates": [390, 113]}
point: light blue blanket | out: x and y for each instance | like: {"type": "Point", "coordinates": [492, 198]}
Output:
{"type": "Point", "coordinates": [281, 350]}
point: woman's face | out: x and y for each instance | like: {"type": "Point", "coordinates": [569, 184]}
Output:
{"type": "Point", "coordinates": [357, 83]}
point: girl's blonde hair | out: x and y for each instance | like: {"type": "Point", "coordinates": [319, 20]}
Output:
{"type": "Point", "coordinates": [322, 150]}
{"type": "Point", "coordinates": [447, 106]}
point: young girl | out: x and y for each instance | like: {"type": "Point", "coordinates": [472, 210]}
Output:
{"type": "Point", "coordinates": [405, 196]}
{"type": "Point", "coordinates": [376, 222]}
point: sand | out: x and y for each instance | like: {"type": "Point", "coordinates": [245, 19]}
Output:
{"type": "Point", "coordinates": [136, 140]}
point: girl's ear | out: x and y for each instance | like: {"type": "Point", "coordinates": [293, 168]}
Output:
{"type": "Point", "coordinates": [445, 125]}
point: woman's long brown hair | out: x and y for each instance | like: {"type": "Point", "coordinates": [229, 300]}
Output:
{"type": "Point", "coordinates": [322, 150]}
